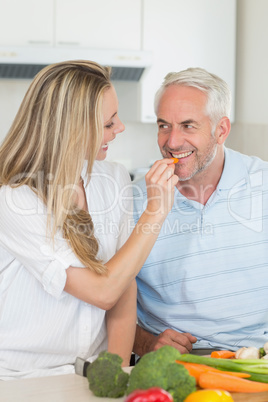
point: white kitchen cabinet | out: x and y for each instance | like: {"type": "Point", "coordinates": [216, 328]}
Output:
{"type": "Point", "coordinates": [94, 24]}
{"type": "Point", "coordinates": [26, 22]}
{"type": "Point", "coordinates": [102, 24]}
{"type": "Point", "coordinates": [182, 34]}
{"type": "Point", "coordinates": [178, 33]}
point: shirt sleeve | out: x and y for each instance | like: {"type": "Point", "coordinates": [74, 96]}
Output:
{"type": "Point", "coordinates": [23, 234]}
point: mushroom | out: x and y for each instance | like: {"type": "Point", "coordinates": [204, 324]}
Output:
{"type": "Point", "coordinates": [248, 353]}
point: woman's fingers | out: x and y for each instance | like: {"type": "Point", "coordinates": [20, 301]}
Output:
{"type": "Point", "coordinates": [160, 166]}
{"type": "Point", "coordinates": [161, 172]}
{"type": "Point", "coordinates": [160, 181]}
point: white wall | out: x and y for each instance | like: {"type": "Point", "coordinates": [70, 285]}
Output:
{"type": "Point", "coordinates": [137, 146]}
{"type": "Point", "coordinates": [250, 131]}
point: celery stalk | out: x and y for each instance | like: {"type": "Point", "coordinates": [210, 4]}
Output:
{"type": "Point", "coordinates": [229, 365]}
{"type": "Point", "coordinates": [259, 362]}
{"type": "Point", "coordinates": [256, 369]}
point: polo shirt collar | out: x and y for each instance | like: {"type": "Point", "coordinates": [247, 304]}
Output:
{"type": "Point", "coordinates": [234, 172]}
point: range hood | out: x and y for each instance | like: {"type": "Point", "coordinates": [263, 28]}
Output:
{"type": "Point", "coordinates": [25, 62]}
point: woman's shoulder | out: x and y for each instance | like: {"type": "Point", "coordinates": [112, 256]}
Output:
{"type": "Point", "coordinates": [111, 170]}
{"type": "Point", "coordinates": [19, 193]}
{"type": "Point", "coordinates": [108, 166]}
{"type": "Point", "coordinates": [19, 201]}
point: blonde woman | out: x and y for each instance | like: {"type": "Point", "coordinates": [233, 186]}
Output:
{"type": "Point", "coordinates": [67, 262]}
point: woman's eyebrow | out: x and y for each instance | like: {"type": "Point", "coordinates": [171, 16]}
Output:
{"type": "Point", "coordinates": [115, 113]}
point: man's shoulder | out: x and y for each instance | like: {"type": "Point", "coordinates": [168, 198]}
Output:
{"type": "Point", "coordinates": [251, 162]}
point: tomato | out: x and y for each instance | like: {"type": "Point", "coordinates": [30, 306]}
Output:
{"type": "Point", "coordinates": [209, 395]}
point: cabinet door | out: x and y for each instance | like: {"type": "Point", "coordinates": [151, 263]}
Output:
{"type": "Point", "coordinates": [26, 22]}
{"type": "Point", "coordinates": [102, 24]}
{"type": "Point", "coordinates": [184, 34]}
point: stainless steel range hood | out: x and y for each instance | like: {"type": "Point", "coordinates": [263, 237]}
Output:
{"type": "Point", "coordinates": [25, 62]}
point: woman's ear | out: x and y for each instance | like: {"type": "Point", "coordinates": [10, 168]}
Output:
{"type": "Point", "coordinates": [222, 130]}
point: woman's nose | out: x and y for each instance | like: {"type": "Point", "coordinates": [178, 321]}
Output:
{"type": "Point", "coordinates": [120, 127]}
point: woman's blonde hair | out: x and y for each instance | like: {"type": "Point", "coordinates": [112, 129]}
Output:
{"type": "Point", "coordinates": [58, 126]}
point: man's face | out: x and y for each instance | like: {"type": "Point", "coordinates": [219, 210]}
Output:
{"type": "Point", "coordinates": [184, 130]}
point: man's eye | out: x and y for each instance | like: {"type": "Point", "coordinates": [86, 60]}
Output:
{"type": "Point", "coordinates": [188, 126]}
{"type": "Point", "coordinates": [163, 126]}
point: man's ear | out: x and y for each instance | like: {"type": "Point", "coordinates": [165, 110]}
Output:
{"type": "Point", "coordinates": [222, 130]}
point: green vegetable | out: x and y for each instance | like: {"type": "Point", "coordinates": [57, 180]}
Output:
{"type": "Point", "coordinates": [257, 362]}
{"type": "Point", "coordinates": [262, 352]}
{"type": "Point", "coordinates": [159, 369]}
{"type": "Point", "coordinates": [106, 377]}
{"type": "Point", "coordinates": [242, 365]}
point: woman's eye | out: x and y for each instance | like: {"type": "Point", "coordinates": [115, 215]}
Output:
{"type": "Point", "coordinates": [109, 125]}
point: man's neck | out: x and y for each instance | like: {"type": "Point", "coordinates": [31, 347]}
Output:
{"type": "Point", "coordinates": [202, 185]}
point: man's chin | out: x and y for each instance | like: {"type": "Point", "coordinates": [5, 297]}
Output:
{"type": "Point", "coordinates": [184, 176]}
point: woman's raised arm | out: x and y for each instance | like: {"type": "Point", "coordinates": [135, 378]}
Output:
{"type": "Point", "coordinates": [103, 291]}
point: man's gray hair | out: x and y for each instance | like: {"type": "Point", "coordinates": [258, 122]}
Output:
{"type": "Point", "coordinates": [216, 89]}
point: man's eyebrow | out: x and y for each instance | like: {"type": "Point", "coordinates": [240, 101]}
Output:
{"type": "Point", "coordinates": [161, 121]}
{"type": "Point", "coordinates": [184, 122]}
{"type": "Point", "coordinates": [188, 121]}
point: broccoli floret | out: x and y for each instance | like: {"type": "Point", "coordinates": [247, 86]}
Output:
{"type": "Point", "coordinates": [106, 377]}
{"type": "Point", "coordinates": [159, 369]}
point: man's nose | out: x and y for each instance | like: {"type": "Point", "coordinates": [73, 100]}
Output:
{"type": "Point", "coordinates": [176, 138]}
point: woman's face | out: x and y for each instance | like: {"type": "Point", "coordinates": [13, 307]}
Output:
{"type": "Point", "coordinates": [111, 122]}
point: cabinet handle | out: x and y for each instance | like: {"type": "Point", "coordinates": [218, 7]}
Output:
{"type": "Point", "coordinates": [68, 43]}
{"type": "Point", "coordinates": [39, 42]}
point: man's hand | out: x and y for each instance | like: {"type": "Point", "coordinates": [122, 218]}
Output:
{"type": "Point", "coordinates": [181, 341]}
{"type": "Point", "coordinates": [146, 342]}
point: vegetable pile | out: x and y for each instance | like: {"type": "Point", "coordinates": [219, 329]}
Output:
{"type": "Point", "coordinates": [167, 376]}
{"type": "Point", "coordinates": [155, 369]}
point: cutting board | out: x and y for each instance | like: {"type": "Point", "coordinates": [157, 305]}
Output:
{"type": "Point", "coordinates": [258, 397]}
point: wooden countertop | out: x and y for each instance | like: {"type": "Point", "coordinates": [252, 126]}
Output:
{"type": "Point", "coordinates": [70, 388]}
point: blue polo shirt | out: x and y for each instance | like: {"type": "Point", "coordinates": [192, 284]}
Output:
{"type": "Point", "coordinates": [208, 271]}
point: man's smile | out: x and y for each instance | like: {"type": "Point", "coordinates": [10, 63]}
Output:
{"type": "Point", "coordinates": [182, 154]}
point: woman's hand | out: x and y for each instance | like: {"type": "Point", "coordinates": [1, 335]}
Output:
{"type": "Point", "coordinates": [161, 182]}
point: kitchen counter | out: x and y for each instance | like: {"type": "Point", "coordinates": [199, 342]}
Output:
{"type": "Point", "coordinates": [70, 388]}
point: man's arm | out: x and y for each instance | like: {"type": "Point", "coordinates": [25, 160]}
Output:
{"type": "Point", "coordinates": [146, 342]}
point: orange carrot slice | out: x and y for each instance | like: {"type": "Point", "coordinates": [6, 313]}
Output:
{"type": "Point", "coordinates": [223, 354]}
{"type": "Point", "coordinates": [210, 380]}
{"type": "Point", "coordinates": [196, 370]}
